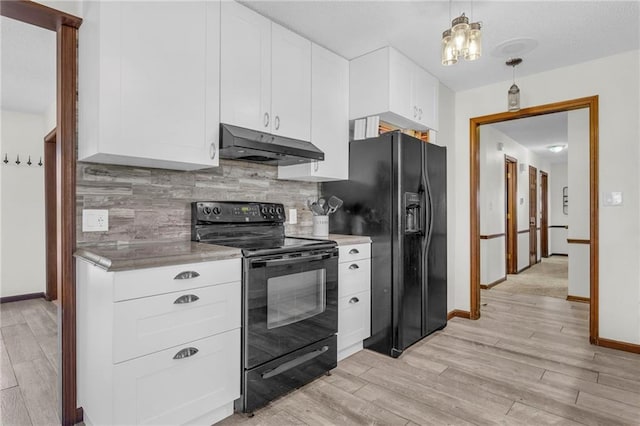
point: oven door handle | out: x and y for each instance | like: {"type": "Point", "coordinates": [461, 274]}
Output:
{"type": "Point", "coordinates": [291, 260]}
{"type": "Point", "coordinates": [294, 363]}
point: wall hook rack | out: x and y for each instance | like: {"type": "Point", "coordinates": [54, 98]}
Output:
{"type": "Point", "coordinates": [40, 162]}
{"type": "Point", "coordinates": [18, 159]}
{"type": "Point", "coordinates": [29, 161]}
{"type": "Point", "coordinates": [6, 160]}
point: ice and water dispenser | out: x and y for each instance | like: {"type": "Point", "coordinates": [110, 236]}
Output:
{"type": "Point", "coordinates": [412, 212]}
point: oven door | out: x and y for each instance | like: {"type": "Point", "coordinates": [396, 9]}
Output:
{"type": "Point", "coordinates": [291, 301]}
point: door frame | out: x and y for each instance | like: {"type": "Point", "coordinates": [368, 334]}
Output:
{"type": "Point", "coordinates": [50, 219]}
{"type": "Point", "coordinates": [66, 28]}
{"type": "Point", "coordinates": [544, 214]}
{"type": "Point", "coordinates": [511, 205]}
{"type": "Point", "coordinates": [591, 103]}
{"type": "Point", "coordinates": [533, 206]}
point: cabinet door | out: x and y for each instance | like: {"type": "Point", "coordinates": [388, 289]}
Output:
{"type": "Point", "coordinates": [425, 98]}
{"type": "Point", "coordinates": [290, 84]}
{"type": "Point", "coordinates": [329, 119]}
{"type": "Point", "coordinates": [160, 389]}
{"type": "Point", "coordinates": [354, 319]}
{"type": "Point", "coordinates": [245, 68]}
{"type": "Point", "coordinates": [401, 71]}
{"type": "Point", "coordinates": [168, 69]}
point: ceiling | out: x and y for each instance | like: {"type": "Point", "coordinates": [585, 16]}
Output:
{"type": "Point", "coordinates": [566, 32]}
{"type": "Point", "coordinates": [28, 67]}
{"type": "Point", "coordinates": [538, 132]}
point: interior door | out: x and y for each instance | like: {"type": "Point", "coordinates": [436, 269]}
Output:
{"type": "Point", "coordinates": [533, 216]}
{"type": "Point", "coordinates": [511, 217]}
{"type": "Point", "coordinates": [544, 214]}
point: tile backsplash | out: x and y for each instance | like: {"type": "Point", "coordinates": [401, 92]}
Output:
{"type": "Point", "coordinates": [154, 204]}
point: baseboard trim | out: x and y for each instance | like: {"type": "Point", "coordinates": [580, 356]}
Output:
{"type": "Point", "coordinates": [79, 415]}
{"type": "Point", "coordinates": [20, 297]}
{"type": "Point", "coordinates": [458, 313]}
{"type": "Point", "coordinates": [559, 254]}
{"type": "Point", "coordinates": [621, 346]}
{"type": "Point", "coordinates": [493, 284]}
{"type": "Point", "coordinates": [524, 269]}
{"type": "Point", "coordinates": [580, 299]}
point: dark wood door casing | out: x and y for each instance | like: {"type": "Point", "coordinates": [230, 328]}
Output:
{"type": "Point", "coordinates": [544, 214]}
{"type": "Point", "coordinates": [533, 215]}
{"type": "Point", "coordinates": [50, 216]}
{"type": "Point", "coordinates": [511, 214]}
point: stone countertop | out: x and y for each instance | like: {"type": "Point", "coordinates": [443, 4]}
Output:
{"type": "Point", "coordinates": [339, 238]}
{"type": "Point", "coordinates": [123, 257]}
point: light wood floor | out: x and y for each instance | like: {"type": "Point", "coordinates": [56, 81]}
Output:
{"type": "Point", "coordinates": [526, 361]}
{"type": "Point", "coordinates": [28, 363]}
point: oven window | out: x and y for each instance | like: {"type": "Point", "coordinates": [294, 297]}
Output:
{"type": "Point", "coordinates": [295, 297]}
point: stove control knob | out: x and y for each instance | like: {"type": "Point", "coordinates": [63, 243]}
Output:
{"type": "Point", "coordinates": [272, 210]}
{"type": "Point", "coordinates": [279, 210]}
{"type": "Point", "coordinates": [206, 210]}
{"type": "Point", "coordinates": [264, 210]}
{"type": "Point", "coordinates": [216, 210]}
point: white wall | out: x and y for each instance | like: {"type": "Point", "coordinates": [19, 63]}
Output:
{"type": "Point", "coordinates": [22, 204]}
{"type": "Point", "coordinates": [492, 200]}
{"type": "Point", "coordinates": [578, 178]}
{"type": "Point", "coordinates": [615, 80]}
{"type": "Point", "coordinates": [558, 179]}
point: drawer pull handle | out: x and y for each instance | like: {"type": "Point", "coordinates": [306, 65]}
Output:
{"type": "Point", "coordinates": [354, 266]}
{"type": "Point", "coordinates": [354, 300]}
{"type": "Point", "coordinates": [186, 275]}
{"type": "Point", "coordinates": [186, 353]}
{"type": "Point", "coordinates": [354, 251]}
{"type": "Point", "coordinates": [187, 298]}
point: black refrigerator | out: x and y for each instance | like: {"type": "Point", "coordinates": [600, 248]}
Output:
{"type": "Point", "coordinates": [396, 194]}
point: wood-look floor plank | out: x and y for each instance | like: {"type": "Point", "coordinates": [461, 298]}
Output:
{"type": "Point", "coordinates": [597, 389]}
{"type": "Point", "coordinates": [612, 408]}
{"type": "Point", "coordinates": [408, 408]}
{"type": "Point", "coordinates": [39, 321]}
{"type": "Point", "coordinates": [7, 377]}
{"type": "Point", "coordinates": [11, 314]}
{"type": "Point", "coordinates": [37, 380]}
{"type": "Point", "coordinates": [527, 415]}
{"type": "Point", "coordinates": [619, 382]}
{"type": "Point", "coordinates": [353, 367]}
{"type": "Point", "coordinates": [20, 343]}
{"type": "Point", "coordinates": [345, 381]}
{"type": "Point", "coordinates": [12, 408]}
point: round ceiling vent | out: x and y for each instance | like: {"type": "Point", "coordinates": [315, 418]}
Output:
{"type": "Point", "coordinates": [514, 47]}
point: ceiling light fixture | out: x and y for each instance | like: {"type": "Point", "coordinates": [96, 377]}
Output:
{"type": "Point", "coordinates": [514, 91]}
{"type": "Point", "coordinates": [462, 39]}
{"type": "Point", "coordinates": [556, 148]}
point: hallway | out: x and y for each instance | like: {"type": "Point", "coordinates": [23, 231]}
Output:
{"type": "Point", "coordinates": [550, 277]}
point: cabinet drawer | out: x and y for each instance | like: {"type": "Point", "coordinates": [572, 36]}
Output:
{"type": "Point", "coordinates": [354, 319]}
{"type": "Point", "coordinates": [354, 277]}
{"type": "Point", "coordinates": [159, 389]}
{"type": "Point", "coordinates": [146, 325]}
{"type": "Point", "coordinates": [355, 252]}
{"type": "Point", "coordinates": [167, 279]}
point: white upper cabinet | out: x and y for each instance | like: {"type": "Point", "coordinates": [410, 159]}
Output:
{"type": "Point", "coordinates": [290, 84]}
{"type": "Point", "coordinates": [265, 81]}
{"type": "Point", "coordinates": [329, 119]}
{"type": "Point", "coordinates": [388, 84]}
{"type": "Point", "coordinates": [245, 72]}
{"type": "Point", "coordinates": [149, 84]}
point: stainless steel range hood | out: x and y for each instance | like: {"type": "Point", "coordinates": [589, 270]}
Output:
{"type": "Point", "coordinates": [237, 143]}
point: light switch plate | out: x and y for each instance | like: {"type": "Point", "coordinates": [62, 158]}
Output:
{"type": "Point", "coordinates": [95, 220]}
{"type": "Point", "coordinates": [293, 216]}
{"type": "Point", "coordinates": [612, 199]}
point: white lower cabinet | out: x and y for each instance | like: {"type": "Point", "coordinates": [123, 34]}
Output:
{"type": "Point", "coordinates": [164, 358]}
{"type": "Point", "coordinates": [354, 303]}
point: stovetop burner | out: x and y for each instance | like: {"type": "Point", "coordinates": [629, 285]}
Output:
{"type": "Point", "coordinates": [255, 228]}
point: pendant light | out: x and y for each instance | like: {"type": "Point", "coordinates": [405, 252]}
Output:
{"type": "Point", "coordinates": [514, 91]}
{"type": "Point", "coordinates": [462, 39]}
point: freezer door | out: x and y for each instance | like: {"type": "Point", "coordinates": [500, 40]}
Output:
{"type": "Point", "coordinates": [409, 215]}
{"type": "Point", "coordinates": [435, 296]}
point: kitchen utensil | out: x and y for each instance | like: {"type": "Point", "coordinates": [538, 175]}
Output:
{"type": "Point", "coordinates": [316, 209]}
{"type": "Point", "coordinates": [322, 203]}
{"type": "Point", "coordinates": [334, 204]}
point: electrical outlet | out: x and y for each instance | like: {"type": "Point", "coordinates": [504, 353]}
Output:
{"type": "Point", "coordinates": [612, 199]}
{"type": "Point", "coordinates": [293, 216]}
{"type": "Point", "coordinates": [95, 220]}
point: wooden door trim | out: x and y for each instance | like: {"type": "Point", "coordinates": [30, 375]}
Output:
{"type": "Point", "coordinates": [544, 217]}
{"type": "Point", "coordinates": [66, 28]}
{"type": "Point", "coordinates": [50, 220]}
{"type": "Point", "coordinates": [511, 207]}
{"type": "Point", "coordinates": [591, 103]}
{"type": "Point", "coordinates": [533, 203]}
